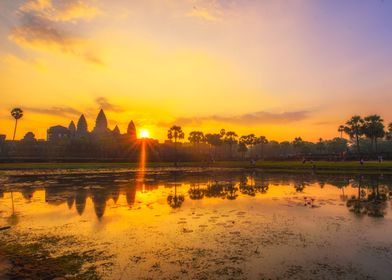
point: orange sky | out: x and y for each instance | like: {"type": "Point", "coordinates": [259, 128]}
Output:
{"type": "Point", "coordinates": [276, 68]}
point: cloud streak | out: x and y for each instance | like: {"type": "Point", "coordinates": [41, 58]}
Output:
{"type": "Point", "coordinates": [61, 10]}
{"type": "Point", "coordinates": [104, 103]}
{"type": "Point", "coordinates": [54, 111]}
{"type": "Point", "coordinates": [48, 24]}
{"type": "Point", "coordinates": [36, 30]}
{"type": "Point", "coordinates": [255, 118]}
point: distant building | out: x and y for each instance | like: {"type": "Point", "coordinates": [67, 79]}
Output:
{"type": "Point", "coordinates": [58, 132]}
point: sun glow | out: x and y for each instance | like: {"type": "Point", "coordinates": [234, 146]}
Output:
{"type": "Point", "coordinates": [144, 133]}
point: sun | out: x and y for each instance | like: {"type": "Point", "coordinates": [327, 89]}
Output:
{"type": "Point", "coordinates": [144, 133]}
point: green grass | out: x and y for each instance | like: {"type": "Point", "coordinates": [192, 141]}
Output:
{"type": "Point", "coordinates": [32, 258]}
{"type": "Point", "coordinates": [279, 166]}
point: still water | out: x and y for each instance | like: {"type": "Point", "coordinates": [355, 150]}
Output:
{"type": "Point", "coordinates": [208, 224]}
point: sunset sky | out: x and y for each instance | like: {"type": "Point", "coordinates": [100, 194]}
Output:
{"type": "Point", "coordinates": [276, 68]}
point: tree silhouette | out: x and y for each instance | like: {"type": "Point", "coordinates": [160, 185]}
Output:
{"type": "Point", "coordinates": [16, 113]}
{"type": "Point", "coordinates": [337, 146]}
{"type": "Point", "coordinates": [262, 140]}
{"type": "Point", "coordinates": [175, 133]}
{"type": "Point", "coordinates": [354, 128]}
{"type": "Point", "coordinates": [249, 140]}
{"type": "Point", "coordinates": [230, 138]}
{"type": "Point", "coordinates": [373, 128]}
{"type": "Point", "coordinates": [320, 145]}
{"type": "Point", "coordinates": [196, 138]}
{"type": "Point", "coordinates": [214, 140]}
{"type": "Point", "coordinates": [298, 143]}
{"type": "Point", "coordinates": [341, 130]}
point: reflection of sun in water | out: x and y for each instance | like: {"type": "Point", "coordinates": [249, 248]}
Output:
{"type": "Point", "coordinates": [144, 133]}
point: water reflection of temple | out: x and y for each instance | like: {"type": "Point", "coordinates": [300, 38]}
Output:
{"type": "Point", "coordinates": [99, 195]}
{"type": "Point", "coordinates": [76, 191]}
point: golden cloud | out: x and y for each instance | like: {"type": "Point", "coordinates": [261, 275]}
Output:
{"type": "Point", "coordinates": [61, 10]}
{"type": "Point", "coordinates": [50, 25]}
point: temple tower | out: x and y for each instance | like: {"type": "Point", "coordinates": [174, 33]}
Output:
{"type": "Point", "coordinates": [82, 129]}
{"type": "Point", "coordinates": [116, 131]}
{"type": "Point", "coordinates": [132, 131]}
{"type": "Point", "coordinates": [72, 129]}
{"type": "Point", "coordinates": [101, 123]}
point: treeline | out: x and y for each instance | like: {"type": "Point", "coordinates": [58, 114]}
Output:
{"type": "Point", "coordinates": [371, 128]}
{"type": "Point", "coordinates": [368, 138]}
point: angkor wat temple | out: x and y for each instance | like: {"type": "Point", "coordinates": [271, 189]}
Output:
{"type": "Point", "coordinates": [100, 131]}
{"type": "Point", "coordinates": [78, 143]}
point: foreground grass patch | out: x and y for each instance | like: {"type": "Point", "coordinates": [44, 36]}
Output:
{"type": "Point", "coordinates": [49, 257]}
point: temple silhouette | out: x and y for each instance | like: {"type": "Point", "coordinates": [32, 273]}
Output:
{"type": "Point", "coordinates": [79, 143]}
{"type": "Point", "coordinates": [101, 130]}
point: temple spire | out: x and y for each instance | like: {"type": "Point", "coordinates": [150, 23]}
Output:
{"type": "Point", "coordinates": [72, 128]}
{"type": "Point", "coordinates": [116, 130]}
{"type": "Point", "coordinates": [82, 129]}
{"type": "Point", "coordinates": [101, 123]}
{"type": "Point", "coordinates": [132, 131]}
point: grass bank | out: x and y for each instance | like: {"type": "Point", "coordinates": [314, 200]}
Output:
{"type": "Point", "coordinates": [29, 256]}
{"type": "Point", "coordinates": [273, 166]}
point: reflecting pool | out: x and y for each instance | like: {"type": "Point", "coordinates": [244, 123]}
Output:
{"type": "Point", "coordinates": [204, 224]}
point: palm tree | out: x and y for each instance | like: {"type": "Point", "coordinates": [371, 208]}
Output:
{"type": "Point", "coordinates": [354, 128]}
{"type": "Point", "coordinates": [230, 138]}
{"type": "Point", "coordinates": [320, 145]}
{"type": "Point", "coordinates": [16, 113]}
{"type": "Point", "coordinates": [196, 137]}
{"type": "Point", "coordinates": [341, 130]}
{"type": "Point", "coordinates": [262, 140]}
{"type": "Point", "coordinates": [298, 143]}
{"type": "Point", "coordinates": [176, 133]}
{"type": "Point", "coordinates": [373, 128]}
{"type": "Point", "coordinates": [215, 140]}
{"type": "Point", "coordinates": [249, 140]}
